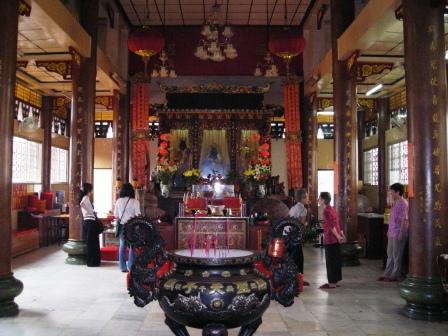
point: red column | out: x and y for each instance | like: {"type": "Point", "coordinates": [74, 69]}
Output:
{"type": "Point", "coordinates": [293, 133]}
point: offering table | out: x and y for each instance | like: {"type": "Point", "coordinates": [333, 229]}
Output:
{"type": "Point", "coordinates": [235, 228]}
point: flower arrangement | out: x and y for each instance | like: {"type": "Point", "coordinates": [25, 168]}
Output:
{"type": "Point", "coordinates": [260, 169]}
{"type": "Point", "coordinates": [166, 173]}
{"type": "Point", "coordinates": [192, 176]}
{"type": "Point", "coordinates": [258, 173]}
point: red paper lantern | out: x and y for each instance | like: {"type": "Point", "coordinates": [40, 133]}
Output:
{"type": "Point", "coordinates": [265, 154]}
{"type": "Point", "coordinates": [264, 147]}
{"type": "Point", "coordinates": [166, 137]}
{"type": "Point", "coordinates": [255, 137]}
{"type": "Point", "coordinates": [145, 42]}
{"type": "Point", "coordinates": [286, 43]}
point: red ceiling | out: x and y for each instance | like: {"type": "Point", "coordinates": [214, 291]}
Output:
{"type": "Point", "coordinates": [248, 40]}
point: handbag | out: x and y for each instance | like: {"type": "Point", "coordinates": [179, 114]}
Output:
{"type": "Point", "coordinates": [118, 227]}
{"type": "Point", "coordinates": [99, 224]}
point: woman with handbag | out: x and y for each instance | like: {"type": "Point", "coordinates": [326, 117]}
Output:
{"type": "Point", "coordinates": [91, 226]}
{"type": "Point", "coordinates": [126, 208]}
{"type": "Point", "coordinates": [333, 237]}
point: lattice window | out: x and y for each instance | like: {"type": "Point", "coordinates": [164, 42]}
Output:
{"type": "Point", "coordinates": [277, 130]}
{"type": "Point", "coordinates": [154, 129]}
{"type": "Point", "coordinates": [59, 165]}
{"type": "Point", "coordinates": [59, 125]}
{"type": "Point", "coordinates": [26, 161]}
{"type": "Point", "coordinates": [325, 131]}
{"type": "Point", "coordinates": [101, 128]}
{"type": "Point", "coordinates": [370, 164]}
{"type": "Point", "coordinates": [398, 162]}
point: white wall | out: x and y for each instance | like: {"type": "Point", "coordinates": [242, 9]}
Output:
{"type": "Point", "coordinates": [278, 158]}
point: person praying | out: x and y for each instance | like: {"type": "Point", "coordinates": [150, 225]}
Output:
{"type": "Point", "coordinates": [300, 212]}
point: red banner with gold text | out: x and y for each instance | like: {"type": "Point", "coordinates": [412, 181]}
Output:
{"type": "Point", "coordinates": [293, 134]}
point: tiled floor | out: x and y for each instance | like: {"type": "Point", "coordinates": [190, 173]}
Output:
{"type": "Point", "coordinates": [60, 299]}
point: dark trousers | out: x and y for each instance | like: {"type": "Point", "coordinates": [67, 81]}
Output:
{"type": "Point", "coordinates": [93, 243]}
{"type": "Point", "coordinates": [333, 262]}
{"type": "Point", "coordinates": [297, 256]}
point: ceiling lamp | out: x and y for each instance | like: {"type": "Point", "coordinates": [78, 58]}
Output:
{"type": "Point", "coordinates": [286, 43]}
{"type": "Point", "coordinates": [268, 68]}
{"type": "Point", "coordinates": [210, 47]}
{"type": "Point", "coordinates": [145, 42]}
{"type": "Point", "coordinates": [165, 69]}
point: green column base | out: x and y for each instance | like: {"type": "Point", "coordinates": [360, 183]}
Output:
{"type": "Point", "coordinates": [76, 250]}
{"type": "Point", "coordinates": [425, 299]}
{"type": "Point", "coordinates": [10, 287]}
{"type": "Point", "coordinates": [350, 252]}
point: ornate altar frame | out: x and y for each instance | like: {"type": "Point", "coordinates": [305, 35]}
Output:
{"type": "Point", "coordinates": [231, 120]}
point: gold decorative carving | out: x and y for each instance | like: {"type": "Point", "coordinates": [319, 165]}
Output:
{"type": "Point", "coordinates": [60, 106]}
{"type": "Point", "coordinates": [214, 88]}
{"type": "Point", "coordinates": [76, 56]}
{"type": "Point", "coordinates": [352, 61]}
{"type": "Point", "coordinates": [106, 101]}
{"type": "Point", "coordinates": [369, 69]}
{"type": "Point", "coordinates": [225, 274]}
{"type": "Point", "coordinates": [24, 8]}
{"type": "Point", "coordinates": [63, 68]}
{"type": "Point", "coordinates": [242, 287]}
{"type": "Point", "coordinates": [217, 304]}
{"type": "Point", "coordinates": [216, 288]}
{"type": "Point", "coordinates": [169, 284]}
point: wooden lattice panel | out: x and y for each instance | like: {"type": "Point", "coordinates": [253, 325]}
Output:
{"type": "Point", "coordinates": [208, 226]}
{"type": "Point", "coordinates": [398, 100]}
{"type": "Point", "coordinates": [29, 96]}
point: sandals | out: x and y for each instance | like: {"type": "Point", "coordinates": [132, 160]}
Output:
{"type": "Point", "coordinates": [327, 286]}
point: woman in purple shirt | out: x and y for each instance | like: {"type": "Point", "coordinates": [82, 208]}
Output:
{"type": "Point", "coordinates": [397, 234]}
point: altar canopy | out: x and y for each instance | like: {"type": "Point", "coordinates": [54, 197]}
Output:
{"type": "Point", "coordinates": [214, 153]}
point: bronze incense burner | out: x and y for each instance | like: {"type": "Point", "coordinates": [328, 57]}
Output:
{"type": "Point", "coordinates": [212, 291]}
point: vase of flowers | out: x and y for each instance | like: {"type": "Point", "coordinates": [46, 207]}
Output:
{"type": "Point", "coordinates": [165, 175]}
{"type": "Point", "coordinates": [257, 175]}
{"type": "Point", "coordinates": [191, 177]}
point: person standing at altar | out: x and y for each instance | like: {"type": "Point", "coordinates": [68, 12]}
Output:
{"type": "Point", "coordinates": [300, 212]}
{"type": "Point", "coordinates": [126, 208]}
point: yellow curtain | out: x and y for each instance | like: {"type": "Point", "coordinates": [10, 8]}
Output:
{"type": "Point", "coordinates": [214, 153]}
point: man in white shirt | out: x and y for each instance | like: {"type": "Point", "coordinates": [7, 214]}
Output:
{"type": "Point", "coordinates": [300, 212]}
